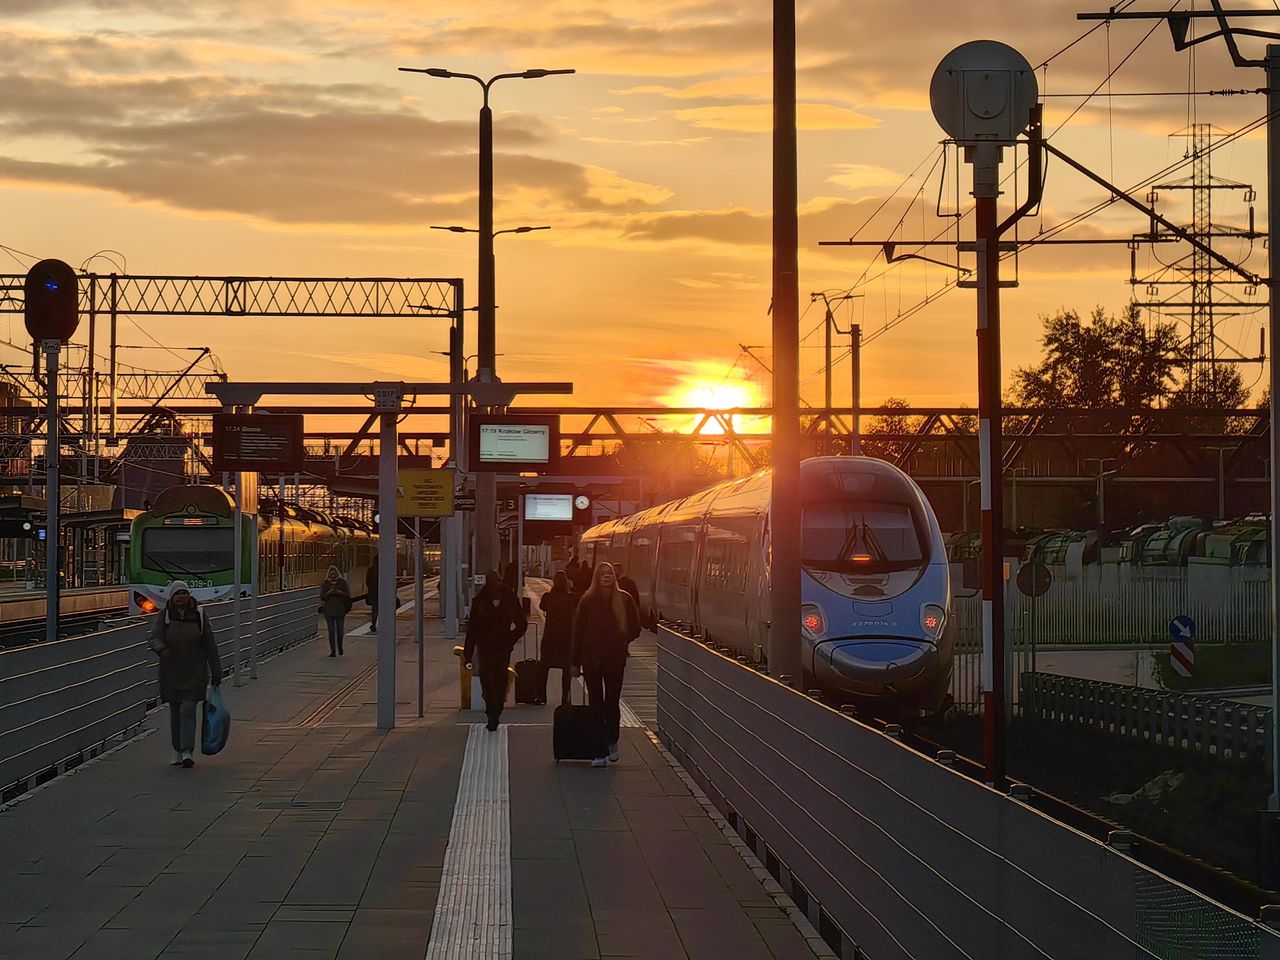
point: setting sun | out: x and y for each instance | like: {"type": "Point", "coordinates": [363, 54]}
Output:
{"type": "Point", "coordinates": [715, 387]}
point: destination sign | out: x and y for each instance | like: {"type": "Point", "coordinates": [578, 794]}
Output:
{"type": "Point", "coordinates": [514, 443]}
{"type": "Point", "coordinates": [257, 443]}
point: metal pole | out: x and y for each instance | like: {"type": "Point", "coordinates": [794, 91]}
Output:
{"type": "Point", "coordinates": [387, 573]}
{"type": "Point", "coordinates": [827, 323]}
{"type": "Point", "coordinates": [451, 527]}
{"type": "Point", "coordinates": [855, 361]}
{"type": "Point", "coordinates": [486, 530]}
{"type": "Point", "coordinates": [520, 547]}
{"type": "Point", "coordinates": [114, 304]}
{"type": "Point", "coordinates": [783, 650]}
{"type": "Point", "coordinates": [254, 573]}
{"type": "Point", "coordinates": [1222, 484]}
{"type": "Point", "coordinates": [237, 571]}
{"type": "Point", "coordinates": [419, 609]}
{"type": "Point", "coordinates": [90, 426]}
{"type": "Point", "coordinates": [52, 491]}
{"type": "Point", "coordinates": [1273, 335]}
{"type": "Point", "coordinates": [986, 171]}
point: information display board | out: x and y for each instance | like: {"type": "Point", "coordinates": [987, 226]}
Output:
{"type": "Point", "coordinates": [548, 506]}
{"type": "Point", "coordinates": [424, 493]}
{"type": "Point", "coordinates": [257, 443]}
{"type": "Point", "coordinates": [514, 443]}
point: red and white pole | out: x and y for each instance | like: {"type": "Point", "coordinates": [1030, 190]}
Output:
{"type": "Point", "coordinates": [986, 190]}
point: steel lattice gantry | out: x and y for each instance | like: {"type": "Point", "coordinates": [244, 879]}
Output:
{"type": "Point", "coordinates": [117, 295]}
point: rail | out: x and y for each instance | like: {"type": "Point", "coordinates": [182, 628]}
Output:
{"type": "Point", "coordinates": [900, 856]}
{"type": "Point", "coordinates": [62, 702]}
{"type": "Point", "coordinates": [1184, 721]}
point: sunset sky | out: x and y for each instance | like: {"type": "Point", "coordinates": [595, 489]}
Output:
{"type": "Point", "coordinates": [236, 137]}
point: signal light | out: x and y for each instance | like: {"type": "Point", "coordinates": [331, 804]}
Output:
{"type": "Point", "coordinates": [145, 604]}
{"type": "Point", "coordinates": [51, 301]}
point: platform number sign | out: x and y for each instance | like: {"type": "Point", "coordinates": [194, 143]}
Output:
{"type": "Point", "coordinates": [1182, 651]}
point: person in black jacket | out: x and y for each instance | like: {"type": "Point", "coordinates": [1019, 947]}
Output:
{"type": "Point", "coordinates": [629, 585]}
{"type": "Point", "coordinates": [183, 638]}
{"type": "Point", "coordinates": [371, 594]}
{"type": "Point", "coordinates": [494, 625]}
{"type": "Point", "coordinates": [558, 605]}
{"type": "Point", "coordinates": [606, 622]}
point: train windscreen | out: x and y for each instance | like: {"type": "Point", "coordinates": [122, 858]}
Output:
{"type": "Point", "coordinates": [861, 537]}
{"type": "Point", "coordinates": [180, 551]}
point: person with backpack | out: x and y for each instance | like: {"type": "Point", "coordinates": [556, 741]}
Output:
{"type": "Point", "coordinates": [558, 605]}
{"type": "Point", "coordinates": [495, 623]}
{"type": "Point", "coordinates": [183, 638]}
{"type": "Point", "coordinates": [605, 623]}
{"type": "Point", "coordinates": [335, 604]}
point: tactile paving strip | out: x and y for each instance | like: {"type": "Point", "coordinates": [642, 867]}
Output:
{"type": "Point", "coordinates": [473, 911]}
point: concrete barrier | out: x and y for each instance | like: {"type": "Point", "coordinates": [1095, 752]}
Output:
{"type": "Point", "coordinates": [901, 857]}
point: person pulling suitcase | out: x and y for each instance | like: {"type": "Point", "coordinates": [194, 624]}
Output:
{"type": "Point", "coordinates": [605, 623]}
{"type": "Point", "coordinates": [495, 623]}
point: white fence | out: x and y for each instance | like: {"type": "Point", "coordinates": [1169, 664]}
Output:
{"type": "Point", "coordinates": [900, 857]}
{"type": "Point", "coordinates": [61, 702]}
{"type": "Point", "coordinates": [1112, 605]}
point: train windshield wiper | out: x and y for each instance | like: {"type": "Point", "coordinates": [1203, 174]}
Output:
{"type": "Point", "coordinates": [166, 568]}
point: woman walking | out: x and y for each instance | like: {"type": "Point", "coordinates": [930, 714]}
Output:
{"type": "Point", "coordinates": [189, 662]}
{"type": "Point", "coordinates": [335, 603]}
{"type": "Point", "coordinates": [558, 605]}
{"type": "Point", "coordinates": [604, 625]}
{"type": "Point", "coordinates": [496, 622]}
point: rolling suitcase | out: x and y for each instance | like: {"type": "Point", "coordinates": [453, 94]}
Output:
{"type": "Point", "coordinates": [531, 678]}
{"type": "Point", "coordinates": [577, 732]}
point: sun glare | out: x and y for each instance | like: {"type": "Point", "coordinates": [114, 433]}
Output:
{"type": "Point", "coordinates": [724, 388]}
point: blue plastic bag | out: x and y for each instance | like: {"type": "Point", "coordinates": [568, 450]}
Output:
{"type": "Point", "coordinates": [217, 723]}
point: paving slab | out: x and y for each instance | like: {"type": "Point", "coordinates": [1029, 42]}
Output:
{"type": "Point", "coordinates": [316, 835]}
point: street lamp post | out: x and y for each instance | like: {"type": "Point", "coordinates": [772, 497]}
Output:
{"type": "Point", "coordinates": [486, 528]}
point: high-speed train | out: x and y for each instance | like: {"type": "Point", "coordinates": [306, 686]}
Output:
{"type": "Point", "coordinates": [877, 622]}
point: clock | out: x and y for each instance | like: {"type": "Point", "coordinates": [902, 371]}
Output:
{"type": "Point", "coordinates": [581, 502]}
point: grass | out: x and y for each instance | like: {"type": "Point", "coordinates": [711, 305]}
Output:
{"type": "Point", "coordinates": [1220, 665]}
{"type": "Point", "coordinates": [1211, 813]}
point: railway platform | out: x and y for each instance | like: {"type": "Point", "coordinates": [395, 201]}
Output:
{"type": "Point", "coordinates": [316, 835]}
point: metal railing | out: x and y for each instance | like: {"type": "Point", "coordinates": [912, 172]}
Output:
{"type": "Point", "coordinates": [61, 702]}
{"type": "Point", "coordinates": [903, 857]}
{"type": "Point", "coordinates": [1183, 721]}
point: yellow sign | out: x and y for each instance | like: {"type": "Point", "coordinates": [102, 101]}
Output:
{"type": "Point", "coordinates": [424, 493]}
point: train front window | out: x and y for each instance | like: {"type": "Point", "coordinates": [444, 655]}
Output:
{"type": "Point", "coordinates": [188, 550]}
{"type": "Point", "coordinates": [860, 537]}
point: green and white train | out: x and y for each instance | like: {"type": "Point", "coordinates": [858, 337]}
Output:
{"type": "Point", "coordinates": [189, 535]}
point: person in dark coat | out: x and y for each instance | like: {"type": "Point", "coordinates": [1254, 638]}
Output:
{"type": "Point", "coordinates": [558, 605]}
{"type": "Point", "coordinates": [371, 593]}
{"type": "Point", "coordinates": [335, 603]}
{"type": "Point", "coordinates": [605, 623]}
{"type": "Point", "coordinates": [629, 585]}
{"type": "Point", "coordinates": [183, 637]}
{"type": "Point", "coordinates": [581, 577]}
{"type": "Point", "coordinates": [494, 625]}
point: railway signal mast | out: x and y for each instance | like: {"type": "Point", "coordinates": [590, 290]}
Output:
{"type": "Point", "coordinates": [983, 95]}
{"type": "Point", "coordinates": [51, 307]}
{"type": "Point", "coordinates": [1183, 38]}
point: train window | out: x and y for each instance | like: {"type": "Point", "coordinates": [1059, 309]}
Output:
{"type": "Point", "coordinates": [860, 537]}
{"type": "Point", "coordinates": [675, 561]}
{"type": "Point", "coordinates": [182, 551]}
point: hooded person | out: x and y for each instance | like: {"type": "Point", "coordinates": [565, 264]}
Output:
{"type": "Point", "coordinates": [495, 623]}
{"type": "Point", "coordinates": [183, 638]}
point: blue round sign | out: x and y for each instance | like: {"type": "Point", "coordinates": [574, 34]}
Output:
{"type": "Point", "coordinates": [1182, 627]}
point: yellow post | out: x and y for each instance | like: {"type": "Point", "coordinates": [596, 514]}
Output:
{"type": "Point", "coordinates": [464, 680]}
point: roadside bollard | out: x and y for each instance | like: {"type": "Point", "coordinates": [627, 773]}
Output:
{"type": "Point", "coordinates": [947, 758]}
{"type": "Point", "coordinates": [1022, 792]}
{"type": "Point", "coordinates": [464, 680]}
{"type": "Point", "coordinates": [1121, 840]}
{"type": "Point", "coordinates": [893, 730]}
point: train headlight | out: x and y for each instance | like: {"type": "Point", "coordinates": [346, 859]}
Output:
{"type": "Point", "coordinates": [933, 619]}
{"type": "Point", "coordinates": [145, 604]}
{"type": "Point", "coordinates": [812, 622]}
